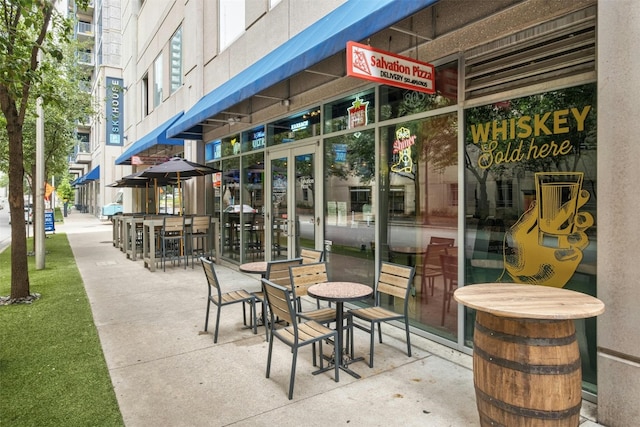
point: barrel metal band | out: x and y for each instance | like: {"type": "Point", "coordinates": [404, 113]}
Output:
{"type": "Point", "coordinates": [539, 342]}
{"type": "Point", "coordinates": [527, 412]}
{"type": "Point", "coordinates": [527, 368]}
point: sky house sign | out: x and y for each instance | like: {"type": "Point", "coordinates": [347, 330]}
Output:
{"type": "Point", "coordinates": [368, 63]}
{"type": "Point", "coordinates": [114, 111]}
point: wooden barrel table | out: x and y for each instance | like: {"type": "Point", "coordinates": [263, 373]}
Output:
{"type": "Point", "coordinates": [526, 361]}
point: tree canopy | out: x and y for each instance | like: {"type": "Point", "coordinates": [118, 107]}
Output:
{"type": "Point", "coordinates": [34, 37]}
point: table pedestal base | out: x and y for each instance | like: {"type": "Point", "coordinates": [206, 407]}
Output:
{"type": "Point", "coordinates": [344, 365]}
{"type": "Point", "coordinates": [527, 372]}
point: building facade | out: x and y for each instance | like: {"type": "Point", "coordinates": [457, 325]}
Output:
{"type": "Point", "coordinates": [101, 138]}
{"type": "Point", "coordinates": [502, 128]}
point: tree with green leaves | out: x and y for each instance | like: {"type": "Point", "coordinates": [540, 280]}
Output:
{"type": "Point", "coordinates": [32, 37]}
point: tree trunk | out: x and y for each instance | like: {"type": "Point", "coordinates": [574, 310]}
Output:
{"type": "Point", "coordinates": [19, 270]}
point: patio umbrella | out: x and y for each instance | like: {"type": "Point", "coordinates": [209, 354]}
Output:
{"type": "Point", "coordinates": [178, 169]}
{"type": "Point", "coordinates": [135, 180]}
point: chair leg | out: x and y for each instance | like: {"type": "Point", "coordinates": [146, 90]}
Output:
{"type": "Point", "coordinates": [336, 372]}
{"type": "Point", "coordinates": [293, 372]}
{"type": "Point", "coordinates": [313, 354]}
{"type": "Point", "coordinates": [406, 325]}
{"type": "Point", "coordinates": [255, 316]}
{"type": "Point", "coordinates": [373, 334]}
{"type": "Point", "coordinates": [264, 319]}
{"type": "Point", "coordinates": [444, 303]}
{"type": "Point", "coordinates": [244, 314]}
{"type": "Point", "coordinates": [424, 288]}
{"type": "Point", "coordinates": [269, 357]}
{"type": "Point", "coordinates": [215, 336]}
{"type": "Point", "coordinates": [163, 256]}
{"type": "Point", "coordinates": [206, 319]}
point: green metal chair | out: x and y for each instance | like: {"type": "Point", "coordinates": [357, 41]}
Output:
{"type": "Point", "coordinates": [395, 280]}
{"type": "Point", "coordinates": [296, 334]}
{"type": "Point", "coordinates": [220, 299]}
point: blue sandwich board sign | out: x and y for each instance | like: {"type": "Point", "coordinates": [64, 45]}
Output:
{"type": "Point", "coordinates": [49, 224]}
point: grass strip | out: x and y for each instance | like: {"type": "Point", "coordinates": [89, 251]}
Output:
{"type": "Point", "coordinates": [52, 369]}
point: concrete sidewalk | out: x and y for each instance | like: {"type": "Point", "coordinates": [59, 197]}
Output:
{"type": "Point", "coordinates": [166, 371]}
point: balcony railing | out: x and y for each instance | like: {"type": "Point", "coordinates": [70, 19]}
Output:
{"type": "Point", "coordinates": [85, 58]}
{"type": "Point", "coordinates": [85, 28]}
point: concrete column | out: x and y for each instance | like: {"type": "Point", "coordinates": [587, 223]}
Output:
{"type": "Point", "coordinates": [618, 209]}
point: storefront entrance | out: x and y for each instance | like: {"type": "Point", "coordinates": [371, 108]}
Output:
{"type": "Point", "coordinates": [293, 214]}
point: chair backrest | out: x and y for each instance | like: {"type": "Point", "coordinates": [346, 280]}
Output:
{"type": "Point", "coordinates": [200, 224]}
{"type": "Point", "coordinates": [442, 241]}
{"type": "Point", "coordinates": [432, 256]}
{"type": "Point", "coordinates": [278, 271]}
{"type": "Point", "coordinates": [173, 224]}
{"type": "Point", "coordinates": [280, 303]}
{"type": "Point", "coordinates": [310, 256]}
{"type": "Point", "coordinates": [451, 250]}
{"type": "Point", "coordinates": [394, 280]}
{"type": "Point", "coordinates": [305, 275]}
{"type": "Point", "coordinates": [449, 265]}
{"type": "Point", "coordinates": [212, 278]}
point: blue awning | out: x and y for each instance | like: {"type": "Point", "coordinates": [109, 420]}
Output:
{"type": "Point", "coordinates": [354, 20]}
{"type": "Point", "coordinates": [156, 137]}
{"type": "Point", "coordinates": [93, 175]}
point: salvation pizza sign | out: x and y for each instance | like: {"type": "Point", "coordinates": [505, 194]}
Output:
{"type": "Point", "coordinates": [366, 62]}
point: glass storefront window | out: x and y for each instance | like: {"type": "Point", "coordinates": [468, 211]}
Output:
{"type": "Point", "coordinates": [238, 200]}
{"type": "Point", "coordinates": [252, 207]}
{"type": "Point", "coordinates": [418, 215]}
{"type": "Point", "coordinates": [531, 179]}
{"type": "Point", "coordinates": [230, 146]}
{"type": "Point", "coordinates": [230, 191]}
{"type": "Point", "coordinates": [350, 112]}
{"type": "Point", "coordinates": [213, 151]}
{"type": "Point", "coordinates": [350, 206]}
{"type": "Point", "coordinates": [398, 102]}
{"type": "Point", "coordinates": [254, 139]}
{"type": "Point", "coordinates": [294, 128]}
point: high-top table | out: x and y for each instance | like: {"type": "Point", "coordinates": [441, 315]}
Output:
{"type": "Point", "coordinates": [131, 224]}
{"type": "Point", "coordinates": [149, 229]}
{"type": "Point", "coordinates": [339, 292]}
{"type": "Point", "coordinates": [526, 360]}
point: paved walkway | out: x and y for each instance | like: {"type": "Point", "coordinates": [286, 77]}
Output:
{"type": "Point", "coordinates": [166, 371]}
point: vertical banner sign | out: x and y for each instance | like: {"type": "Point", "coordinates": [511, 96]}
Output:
{"type": "Point", "coordinates": [115, 111]}
{"type": "Point", "coordinates": [366, 62]}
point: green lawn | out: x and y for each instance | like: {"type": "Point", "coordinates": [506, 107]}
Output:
{"type": "Point", "coordinates": [52, 369]}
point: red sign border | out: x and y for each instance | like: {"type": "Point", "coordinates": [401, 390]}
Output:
{"type": "Point", "coordinates": [352, 44]}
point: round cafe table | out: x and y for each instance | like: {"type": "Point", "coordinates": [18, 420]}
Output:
{"type": "Point", "coordinates": [409, 251]}
{"type": "Point", "coordinates": [258, 267]}
{"type": "Point", "coordinates": [339, 292]}
{"type": "Point", "coordinates": [526, 360]}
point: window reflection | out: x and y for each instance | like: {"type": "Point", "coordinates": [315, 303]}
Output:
{"type": "Point", "coordinates": [418, 213]}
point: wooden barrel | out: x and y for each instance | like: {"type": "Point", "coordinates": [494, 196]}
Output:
{"type": "Point", "coordinates": [527, 372]}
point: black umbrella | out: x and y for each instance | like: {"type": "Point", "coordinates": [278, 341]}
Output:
{"type": "Point", "coordinates": [136, 180]}
{"type": "Point", "coordinates": [177, 168]}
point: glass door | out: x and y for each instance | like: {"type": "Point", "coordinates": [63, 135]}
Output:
{"type": "Point", "coordinates": [295, 196]}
